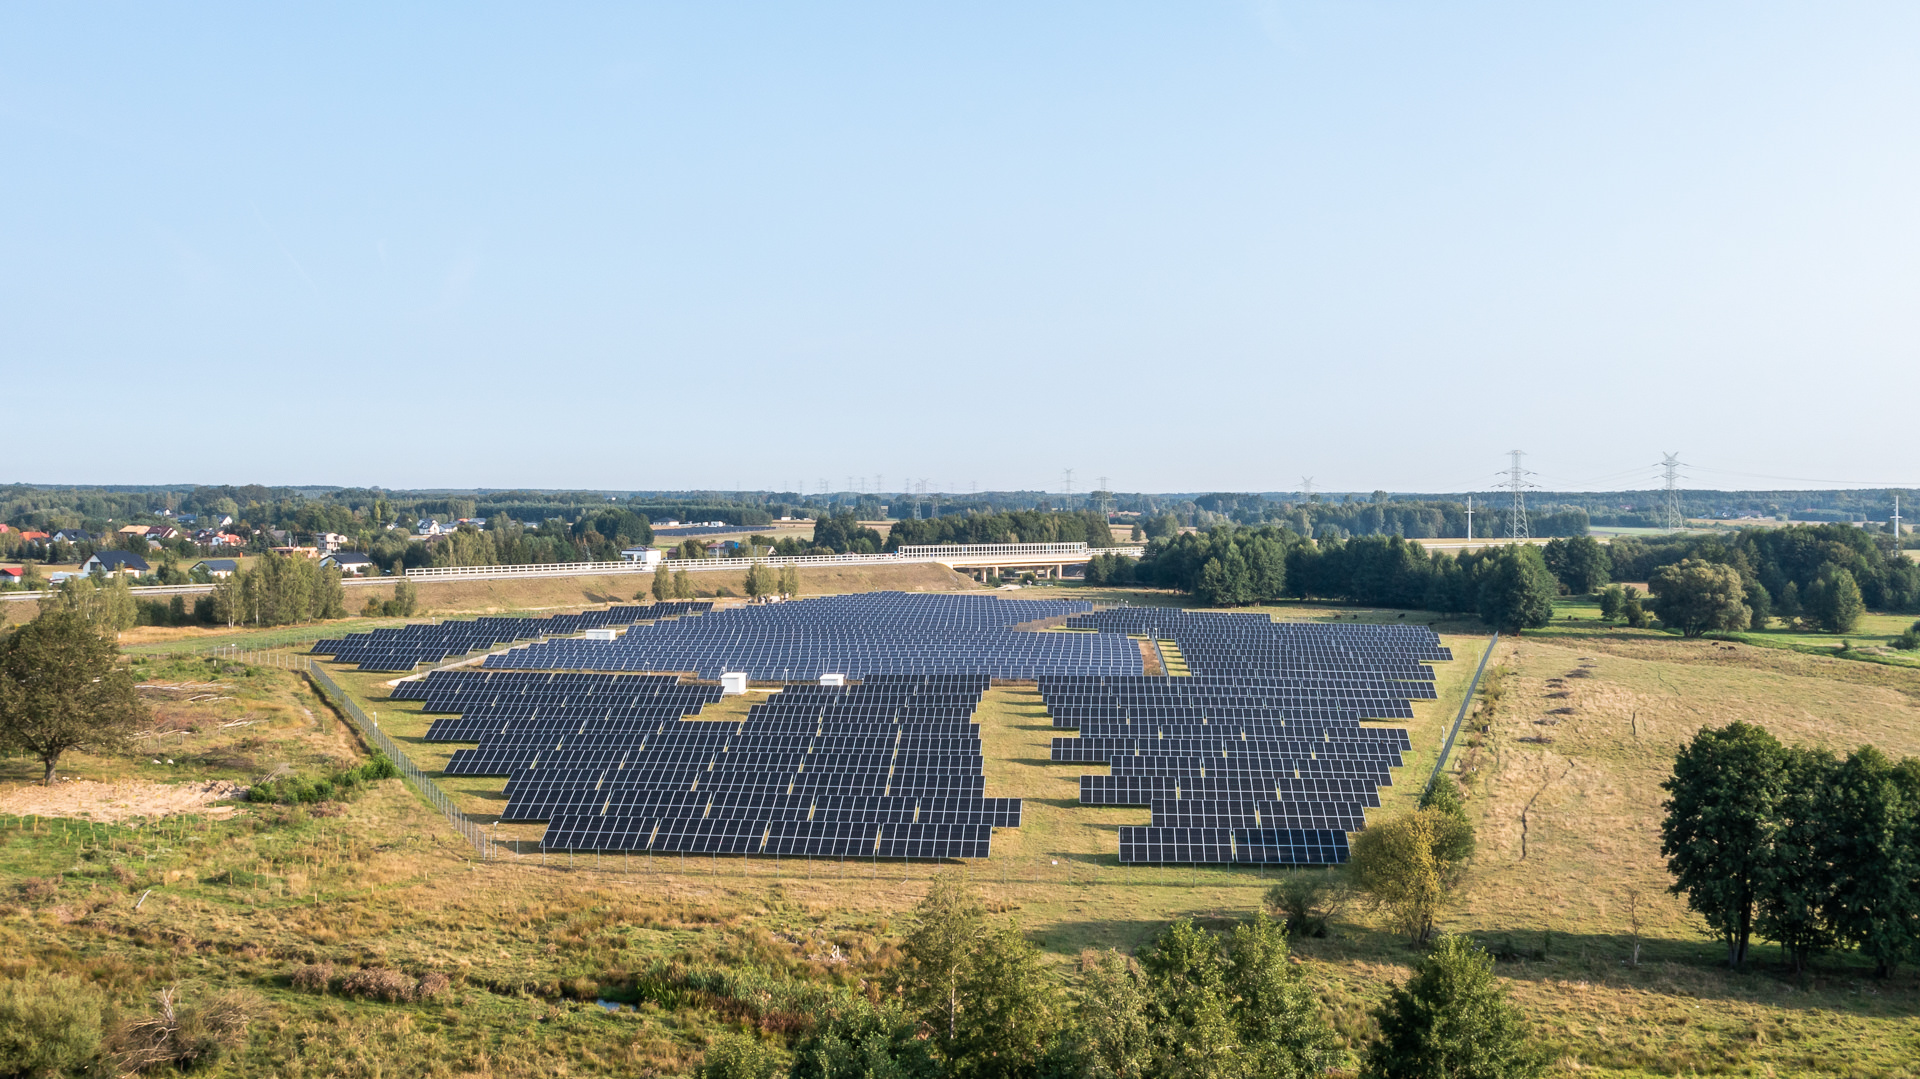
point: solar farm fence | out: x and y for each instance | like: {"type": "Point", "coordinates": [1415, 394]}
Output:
{"type": "Point", "coordinates": [370, 729]}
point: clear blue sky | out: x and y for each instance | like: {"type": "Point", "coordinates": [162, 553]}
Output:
{"type": "Point", "coordinates": [1188, 246]}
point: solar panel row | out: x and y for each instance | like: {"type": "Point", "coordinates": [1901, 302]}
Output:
{"type": "Point", "coordinates": [401, 648]}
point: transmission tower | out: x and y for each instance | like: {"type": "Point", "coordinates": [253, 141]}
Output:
{"type": "Point", "coordinates": [1306, 488]}
{"type": "Point", "coordinates": [1069, 488]}
{"type": "Point", "coordinates": [1671, 465]}
{"type": "Point", "coordinates": [1106, 497]}
{"type": "Point", "coordinates": [1517, 527]}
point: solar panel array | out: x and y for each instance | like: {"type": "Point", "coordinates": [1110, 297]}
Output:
{"type": "Point", "coordinates": [1259, 757]}
{"type": "Point", "coordinates": [874, 633]}
{"type": "Point", "coordinates": [402, 648]}
{"type": "Point", "coordinates": [889, 767]}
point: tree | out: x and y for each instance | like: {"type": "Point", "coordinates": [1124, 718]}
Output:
{"type": "Point", "coordinates": [1276, 1018]}
{"type": "Point", "coordinates": [1409, 866]}
{"type": "Point", "coordinates": [1632, 610]}
{"type": "Point", "coordinates": [1517, 592]}
{"type": "Point", "coordinates": [662, 586]}
{"type": "Point", "coordinates": [1718, 832]}
{"type": "Point", "coordinates": [1452, 1019]}
{"type": "Point", "coordinates": [1760, 602]}
{"type": "Point", "coordinates": [865, 1040]}
{"type": "Point", "coordinates": [1306, 899]}
{"type": "Point", "coordinates": [62, 687]}
{"type": "Point", "coordinates": [693, 548]}
{"type": "Point", "coordinates": [980, 989]}
{"type": "Point", "coordinates": [1872, 827]}
{"type": "Point", "coordinates": [760, 580]}
{"type": "Point", "coordinates": [1613, 600]}
{"type": "Point", "coordinates": [1695, 596]}
{"type": "Point", "coordinates": [789, 581]}
{"type": "Point", "coordinates": [1833, 601]}
{"type": "Point", "coordinates": [406, 597]}
{"type": "Point", "coordinates": [104, 602]}
{"type": "Point", "coordinates": [1797, 884]}
{"type": "Point", "coordinates": [682, 585]}
{"type": "Point", "coordinates": [1193, 1032]}
{"type": "Point", "coordinates": [1580, 563]}
{"type": "Point", "coordinates": [1113, 1036]}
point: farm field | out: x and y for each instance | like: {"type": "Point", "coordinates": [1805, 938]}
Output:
{"type": "Point", "coordinates": [1580, 725]}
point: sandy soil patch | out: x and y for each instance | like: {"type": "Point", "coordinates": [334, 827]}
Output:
{"type": "Point", "coordinates": [126, 800]}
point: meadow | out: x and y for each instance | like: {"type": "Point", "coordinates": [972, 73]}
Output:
{"type": "Point", "coordinates": [1564, 749]}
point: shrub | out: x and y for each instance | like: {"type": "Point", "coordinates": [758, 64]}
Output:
{"type": "Point", "coordinates": [1451, 1018]}
{"type": "Point", "coordinates": [736, 1056]}
{"type": "Point", "coordinates": [431, 984]}
{"type": "Point", "coordinates": [299, 790]}
{"type": "Point", "coordinates": [1909, 638]}
{"type": "Point", "coordinates": [1305, 899]}
{"type": "Point", "coordinates": [313, 978]}
{"type": "Point", "coordinates": [48, 1025]}
{"type": "Point", "coordinates": [378, 983]}
{"type": "Point", "coordinates": [187, 1035]}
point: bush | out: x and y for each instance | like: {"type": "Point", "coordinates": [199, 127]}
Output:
{"type": "Point", "coordinates": [187, 1035]}
{"type": "Point", "coordinates": [49, 1025]}
{"type": "Point", "coordinates": [1306, 899]}
{"type": "Point", "coordinates": [737, 1056]}
{"type": "Point", "coordinates": [1453, 1019]}
{"type": "Point", "coordinates": [1909, 638]}
{"type": "Point", "coordinates": [299, 790]}
{"type": "Point", "coordinates": [378, 983]}
{"type": "Point", "coordinates": [313, 978]}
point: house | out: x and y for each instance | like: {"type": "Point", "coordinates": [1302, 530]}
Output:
{"type": "Point", "coordinates": [430, 528]}
{"type": "Point", "coordinates": [329, 542]}
{"type": "Point", "coordinates": [12, 574]}
{"type": "Point", "coordinates": [34, 537]}
{"type": "Point", "coordinates": [351, 562]}
{"type": "Point", "coordinates": [115, 563]}
{"type": "Point", "coordinates": [646, 556]}
{"type": "Point", "coordinates": [227, 539]}
{"type": "Point", "coordinates": [134, 530]}
{"type": "Point", "coordinates": [74, 535]}
{"type": "Point", "coordinates": [162, 533]}
{"type": "Point", "coordinates": [303, 552]}
{"type": "Point", "coordinates": [188, 519]}
{"type": "Point", "coordinates": [216, 567]}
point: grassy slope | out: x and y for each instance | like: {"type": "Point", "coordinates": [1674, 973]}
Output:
{"type": "Point", "coordinates": [385, 882]}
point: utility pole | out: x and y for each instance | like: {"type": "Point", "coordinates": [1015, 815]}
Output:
{"type": "Point", "coordinates": [1671, 466]}
{"type": "Point", "coordinates": [1517, 527]}
{"type": "Point", "coordinates": [1469, 518]}
{"type": "Point", "coordinates": [1896, 521]}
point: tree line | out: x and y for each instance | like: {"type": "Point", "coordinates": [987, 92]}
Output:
{"type": "Point", "coordinates": [973, 998]}
{"type": "Point", "coordinates": [1014, 526]}
{"type": "Point", "coordinates": [1811, 851]}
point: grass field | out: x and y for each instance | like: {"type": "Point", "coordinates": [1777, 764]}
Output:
{"type": "Point", "coordinates": [1580, 723]}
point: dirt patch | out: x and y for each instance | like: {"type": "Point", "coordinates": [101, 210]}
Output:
{"type": "Point", "coordinates": [126, 800]}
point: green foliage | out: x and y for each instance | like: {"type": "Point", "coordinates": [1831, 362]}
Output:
{"type": "Point", "coordinates": [61, 687]}
{"type": "Point", "coordinates": [1871, 822]}
{"type": "Point", "coordinates": [662, 585]}
{"type": "Point", "coordinates": [1452, 1019]}
{"type": "Point", "coordinates": [1225, 1006]}
{"type": "Point", "coordinates": [1112, 1031]}
{"type": "Point", "coordinates": [761, 580]}
{"type": "Point", "coordinates": [105, 602]}
{"type": "Point", "coordinates": [1517, 592]}
{"type": "Point", "coordinates": [1613, 602]}
{"type": "Point", "coordinates": [844, 534]}
{"type": "Point", "coordinates": [342, 785]}
{"type": "Point", "coordinates": [1111, 569]}
{"type": "Point", "coordinates": [1015, 526]}
{"type": "Point", "coordinates": [1581, 563]}
{"type": "Point", "coordinates": [866, 1041]}
{"type": "Point", "coordinates": [1410, 866]}
{"type": "Point", "coordinates": [1307, 899]}
{"type": "Point", "coordinates": [1722, 802]}
{"type": "Point", "coordinates": [1760, 602]}
{"type": "Point", "coordinates": [789, 584]}
{"type": "Point", "coordinates": [1909, 638]}
{"type": "Point", "coordinates": [49, 1025]}
{"type": "Point", "coordinates": [1833, 601]}
{"type": "Point", "coordinates": [1796, 890]}
{"type": "Point", "coordinates": [741, 1056]}
{"type": "Point", "coordinates": [1633, 610]}
{"type": "Point", "coordinates": [682, 585]}
{"type": "Point", "coordinates": [980, 989]}
{"type": "Point", "coordinates": [1695, 596]}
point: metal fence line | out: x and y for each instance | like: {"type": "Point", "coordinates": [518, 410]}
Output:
{"type": "Point", "coordinates": [1464, 702]}
{"type": "Point", "coordinates": [370, 730]}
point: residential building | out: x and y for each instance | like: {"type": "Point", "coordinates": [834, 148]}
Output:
{"type": "Point", "coordinates": [645, 555]}
{"type": "Point", "coordinates": [115, 563]}
{"type": "Point", "coordinates": [354, 563]}
{"type": "Point", "coordinates": [216, 567]}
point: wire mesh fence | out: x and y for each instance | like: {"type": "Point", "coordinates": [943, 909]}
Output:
{"type": "Point", "coordinates": [370, 730]}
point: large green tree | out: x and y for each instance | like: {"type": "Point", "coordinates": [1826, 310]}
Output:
{"type": "Point", "coordinates": [1833, 602]}
{"type": "Point", "coordinates": [1452, 1020]}
{"type": "Point", "coordinates": [1409, 866]}
{"type": "Point", "coordinates": [1517, 592]}
{"type": "Point", "coordinates": [1872, 826]}
{"type": "Point", "coordinates": [979, 987]}
{"type": "Point", "coordinates": [62, 687]}
{"type": "Point", "coordinates": [1796, 891]}
{"type": "Point", "coordinates": [1722, 801]}
{"type": "Point", "coordinates": [1695, 596]}
{"type": "Point", "coordinates": [1580, 563]}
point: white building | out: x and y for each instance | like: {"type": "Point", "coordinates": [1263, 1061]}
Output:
{"type": "Point", "coordinates": [646, 556]}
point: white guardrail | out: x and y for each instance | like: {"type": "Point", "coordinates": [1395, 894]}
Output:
{"type": "Point", "coordinates": [981, 554]}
